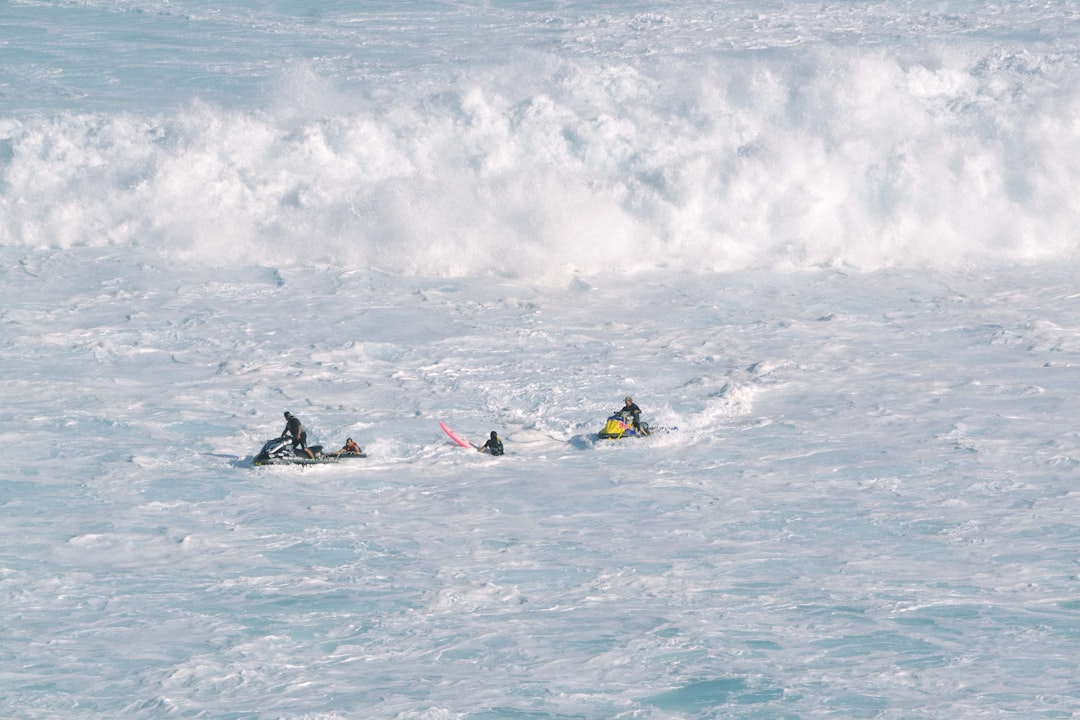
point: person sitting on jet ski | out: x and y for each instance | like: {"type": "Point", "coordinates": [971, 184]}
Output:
{"type": "Point", "coordinates": [493, 445]}
{"type": "Point", "coordinates": [295, 430]}
{"type": "Point", "coordinates": [630, 411]}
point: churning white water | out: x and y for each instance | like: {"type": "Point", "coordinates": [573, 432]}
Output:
{"type": "Point", "coordinates": [833, 248]}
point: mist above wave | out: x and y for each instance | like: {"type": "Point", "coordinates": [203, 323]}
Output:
{"type": "Point", "coordinates": [547, 165]}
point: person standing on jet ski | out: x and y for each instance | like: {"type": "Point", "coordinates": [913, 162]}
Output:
{"type": "Point", "coordinates": [295, 430]}
{"type": "Point", "coordinates": [631, 411]}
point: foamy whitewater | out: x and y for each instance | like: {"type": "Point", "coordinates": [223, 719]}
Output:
{"type": "Point", "coordinates": [835, 246]}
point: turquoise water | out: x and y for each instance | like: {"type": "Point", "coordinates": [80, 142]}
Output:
{"type": "Point", "coordinates": [833, 245]}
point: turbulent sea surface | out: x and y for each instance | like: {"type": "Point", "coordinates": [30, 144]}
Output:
{"type": "Point", "coordinates": [832, 247]}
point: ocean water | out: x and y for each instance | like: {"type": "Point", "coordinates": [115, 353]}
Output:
{"type": "Point", "coordinates": [832, 248]}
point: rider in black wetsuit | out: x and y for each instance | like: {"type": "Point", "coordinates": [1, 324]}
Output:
{"type": "Point", "coordinates": [631, 411]}
{"type": "Point", "coordinates": [493, 445]}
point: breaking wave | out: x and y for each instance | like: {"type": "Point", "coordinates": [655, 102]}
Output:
{"type": "Point", "coordinates": [861, 158]}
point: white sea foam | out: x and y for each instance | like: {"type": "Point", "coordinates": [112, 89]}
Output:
{"type": "Point", "coordinates": [916, 154]}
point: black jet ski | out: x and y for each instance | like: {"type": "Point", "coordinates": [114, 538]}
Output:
{"type": "Point", "coordinates": [279, 451]}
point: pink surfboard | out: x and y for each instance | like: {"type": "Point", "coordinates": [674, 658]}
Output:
{"type": "Point", "coordinates": [453, 437]}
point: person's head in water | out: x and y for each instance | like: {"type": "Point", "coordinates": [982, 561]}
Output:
{"type": "Point", "coordinates": [494, 435]}
{"type": "Point", "coordinates": [288, 414]}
